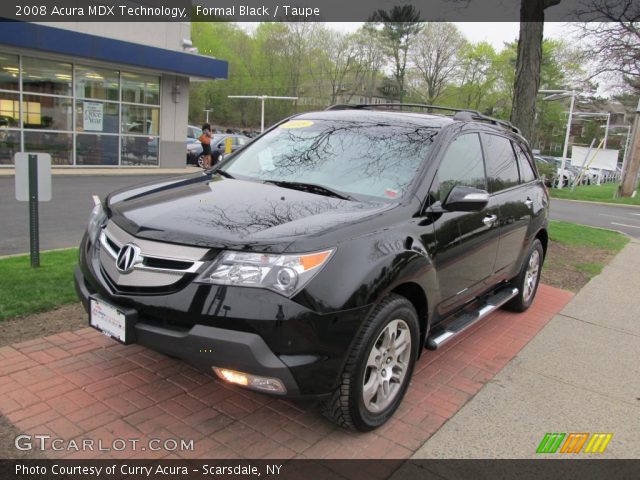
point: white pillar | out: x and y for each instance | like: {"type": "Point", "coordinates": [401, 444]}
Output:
{"type": "Point", "coordinates": [566, 139]}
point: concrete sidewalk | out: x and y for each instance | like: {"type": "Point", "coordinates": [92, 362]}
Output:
{"type": "Point", "coordinates": [581, 373]}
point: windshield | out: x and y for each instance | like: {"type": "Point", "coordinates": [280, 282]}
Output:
{"type": "Point", "coordinates": [359, 158]}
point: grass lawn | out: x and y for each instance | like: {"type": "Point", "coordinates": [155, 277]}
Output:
{"type": "Point", "coordinates": [577, 253]}
{"type": "Point", "coordinates": [25, 290]}
{"type": "Point", "coordinates": [571, 234]}
{"type": "Point", "coordinates": [594, 193]}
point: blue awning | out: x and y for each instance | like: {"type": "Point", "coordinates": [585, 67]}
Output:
{"type": "Point", "coordinates": [66, 42]}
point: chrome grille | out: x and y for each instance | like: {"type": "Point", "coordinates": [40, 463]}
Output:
{"type": "Point", "coordinates": [158, 264]}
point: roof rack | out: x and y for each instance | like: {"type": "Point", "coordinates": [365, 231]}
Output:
{"type": "Point", "coordinates": [461, 114]}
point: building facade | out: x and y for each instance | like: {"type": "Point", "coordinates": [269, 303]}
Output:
{"type": "Point", "coordinates": [98, 94]}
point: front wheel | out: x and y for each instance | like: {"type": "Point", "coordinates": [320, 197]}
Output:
{"type": "Point", "coordinates": [528, 279]}
{"type": "Point", "coordinates": [379, 367]}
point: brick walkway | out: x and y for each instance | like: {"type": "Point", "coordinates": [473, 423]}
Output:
{"type": "Point", "coordinates": [82, 385]}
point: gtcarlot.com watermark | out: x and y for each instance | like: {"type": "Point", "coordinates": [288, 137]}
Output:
{"type": "Point", "coordinates": [47, 442]}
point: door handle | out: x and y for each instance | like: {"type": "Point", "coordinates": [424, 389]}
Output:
{"type": "Point", "coordinates": [489, 220]}
{"type": "Point", "coordinates": [528, 202]}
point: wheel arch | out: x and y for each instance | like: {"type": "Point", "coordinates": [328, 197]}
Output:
{"type": "Point", "coordinates": [418, 298]}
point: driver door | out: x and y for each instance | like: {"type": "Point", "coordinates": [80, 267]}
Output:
{"type": "Point", "coordinates": [466, 243]}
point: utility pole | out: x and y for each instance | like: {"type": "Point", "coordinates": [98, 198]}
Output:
{"type": "Point", "coordinates": [630, 174]}
{"type": "Point", "coordinates": [207, 110]}
{"type": "Point", "coordinates": [262, 98]}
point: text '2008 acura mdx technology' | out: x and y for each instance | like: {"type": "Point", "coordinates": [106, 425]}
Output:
{"type": "Point", "coordinates": [321, 260]}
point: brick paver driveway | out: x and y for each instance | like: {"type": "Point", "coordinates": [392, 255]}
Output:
{"type": "Point", "coordinates": [82, 385]}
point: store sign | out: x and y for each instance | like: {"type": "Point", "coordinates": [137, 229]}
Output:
{"type": "Point", "coordinates": [92, 116]}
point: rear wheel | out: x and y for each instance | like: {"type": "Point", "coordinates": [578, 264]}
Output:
{"type": "Point", "coordinates": [528, 279]}
{"type": "Point", "coordinates": [379, 367]}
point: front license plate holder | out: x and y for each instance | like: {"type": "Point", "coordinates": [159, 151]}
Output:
{"type": "Point", "coordinates": [115, 322]}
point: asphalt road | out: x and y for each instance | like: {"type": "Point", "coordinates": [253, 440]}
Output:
{"type": "Point", "coordinates": [623, 219]}
{"type": "Point", "coordinates": [64, 218]}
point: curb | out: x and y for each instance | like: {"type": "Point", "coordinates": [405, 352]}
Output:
{"type": "Point", "coordinates": [10, 172]}
{"type": "Point", "coordinates": [596, 203]}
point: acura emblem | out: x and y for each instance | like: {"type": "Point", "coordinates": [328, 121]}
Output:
{"type": "Point", "coordinates": [128, 257]}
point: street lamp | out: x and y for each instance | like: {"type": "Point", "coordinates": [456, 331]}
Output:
{"type": "Point", "coordinates": [557, 95]}
{"type": "Point", "coordinates": [262, 98]}
{"type": "Point", "coordinates": [207, 110]}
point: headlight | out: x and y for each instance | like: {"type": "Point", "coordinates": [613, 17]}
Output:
{"type": "Point", "coordinates": [284, 274]}
{"type": "Point", "coordinates": [96, 220]}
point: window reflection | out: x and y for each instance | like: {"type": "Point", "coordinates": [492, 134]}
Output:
{"type": "Point", "coordinates": [98, 83]}
{"type": "Point", "coordinates": [45, 76]}
{"type": "Point", "coordinates": [140, 120]}
{"type": "Point", "coordinates": [9, 72]}
{"type": "Point", "coordinates": [138, 88]}
{"type": "Point", "coordinates": [374, 159]}
{"type": "Point", "coordinates": [140, 151]}
{"type": "Point", "coordinates": [58, 145]}
{"type": "Point", "coordinates": [96, 149]}
{"type": "Point", "coordinates": [47, 113]}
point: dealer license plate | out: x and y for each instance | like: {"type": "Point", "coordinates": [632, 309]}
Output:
{"type": "Point", "coordinates": [108, 319]}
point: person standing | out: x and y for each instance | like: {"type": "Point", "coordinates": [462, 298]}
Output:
{"type": "Point", "coordinates": [205, 140]}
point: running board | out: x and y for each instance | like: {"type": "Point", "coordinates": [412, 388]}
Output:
{"type": "Point", "coordinates": [460, 322]}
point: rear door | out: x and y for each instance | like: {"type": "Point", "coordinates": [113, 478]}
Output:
{"type": "Point", "coordinates": [466, 242]}
{"type": "Point", "coordinates": [510, 195]}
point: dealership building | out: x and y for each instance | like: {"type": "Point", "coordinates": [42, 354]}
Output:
{"type": "Point", "coordinates": [99, 94]}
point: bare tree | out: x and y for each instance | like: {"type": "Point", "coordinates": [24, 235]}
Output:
{"type": "Point", "coordinates": [435, 54]}
{"type": "Point", "coordinates": [400, 25]}
{"type": "Point", "coordinates": [370, 57]}
{"type": "Point", "coordinates": [528, 64]}
{"type": "Point", "coordinates": [341, 63]}
{"type": "Point", "coordinates": [613, 38]}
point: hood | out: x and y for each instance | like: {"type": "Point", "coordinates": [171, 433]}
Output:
{"type": "Point", "coordinates": [218, 212]}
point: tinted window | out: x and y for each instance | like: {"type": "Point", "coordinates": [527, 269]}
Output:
{"type": "Point", "coordinates": [376, 159]}
{"type": "Point", "coordinates": [461, 165]}
{"type": "Point", "coordinates": [502, 169]}
{"type": "Point", "coordinates": [526, 170]}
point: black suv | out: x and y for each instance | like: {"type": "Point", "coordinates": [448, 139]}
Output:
{"type": "Point", "coordinates": [322, 258]}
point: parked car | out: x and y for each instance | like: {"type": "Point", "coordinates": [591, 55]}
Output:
{"type": "Point", "coordinates": [320, 260]}
{"type": "Point", "coordinates": [194, 149]}
{"type": "Point", "coordinates": [567, 176]}
{"type": "Point", "coordinates": [546, 169]}
{"type": "Point", "coordinates": [193, 133]}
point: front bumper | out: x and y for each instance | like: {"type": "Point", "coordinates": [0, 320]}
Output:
{"type": "Point", "coordinates": [248, 330]}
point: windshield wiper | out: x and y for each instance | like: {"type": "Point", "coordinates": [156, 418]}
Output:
{"type": "Point", "coordinates": [223, 173]}
{"type": "Point", "coordinates": [312, 188]}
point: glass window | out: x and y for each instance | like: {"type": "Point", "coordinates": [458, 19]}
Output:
{"type": "Point", "coordinates": [96, 116]}
{"type": "Point", "coordinates": [141, 151]}
{"type": "Point", "coordinates": [96, 149]}
{"type": "Point", "coordinates": [502, 169]}
{"type": "Point", "coordinates": [45, 76]}
{"type": "Point", "coordinates": [373, 159]}
{"type": "Point", "coordinates": [47, 113]}
{"type": "Point", "coordinates": [526, 170]}
{"type": "Point", "coordinates": [58, 145]}
{"type": "Point", "coordinates": [9, 145]}
{"type": "Point", "coordinates": [9, 110]}
{"type": "Point", "coordinates": [140, 120]}
{"type": "Point", "coordinates": [140, 88]}
{"type": "Point", "coordinates": [97, 83]}
{"type": "Point", "coordinates": [461, 165]}
{"type": "Point", "coordinates": [9, 72]}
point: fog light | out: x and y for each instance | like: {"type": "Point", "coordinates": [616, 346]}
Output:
{"type": "Point", "coordinates": [256, 382]}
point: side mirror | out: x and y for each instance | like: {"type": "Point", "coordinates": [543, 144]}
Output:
{"type": "Point", "coordinates": [466, 199]}
{"type": "Point", "coordinates": [221, 145]}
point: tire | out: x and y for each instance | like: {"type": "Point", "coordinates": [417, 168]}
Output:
{"type": "Point", "coordinates": [200, 161]}
{"type": "Point", "coordinates": [528, 279]}
{"type": "Point", "coordinates": [366, 374]}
